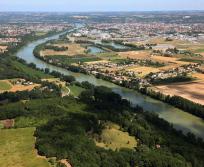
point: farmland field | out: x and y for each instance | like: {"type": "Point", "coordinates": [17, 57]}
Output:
{"type": "Point", "coordinates": [171, 61]}
{"type": "Point", "coordinates": [135, 54]}
{"type": "Point", "coordinates": [143, 71]}
{"type": "Point", "coordinates": [17, 149]}
{"type": "Point", "coordinates": [193, 91]}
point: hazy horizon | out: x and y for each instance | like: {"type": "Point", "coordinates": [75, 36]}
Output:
{"type": "Point", "coordinates": [99, 6]}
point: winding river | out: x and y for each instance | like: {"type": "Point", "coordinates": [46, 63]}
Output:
{"type": "Point", "coordinates": [180, 119]}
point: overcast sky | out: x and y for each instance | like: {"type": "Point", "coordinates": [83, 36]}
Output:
{"type": "Point", "coordinates": [100, 5]}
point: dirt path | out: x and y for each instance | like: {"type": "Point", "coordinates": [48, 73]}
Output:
{"type": "Point", "coordinates": [65, 162]}
{"type": "Point", "coordinates": [66, 93]}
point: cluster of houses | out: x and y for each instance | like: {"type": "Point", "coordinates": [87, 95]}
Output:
{"type": "Point", "coordinates": [13, 30]}
{"type": "Point", "coordinates": [120, 75]}
{"type": "Point", "coordinates": [179, 71]}
{"type": "Point", "coordinates": [12, 34]}
{"type": "Point", "coordinates": [137, 32]}
{"type": "Point", "coordinates": [9, 40]}
{"type": "Point", "coordinates": [16, 30]}
{"type": "Point", "coordinates": [21, 82]}
{"type": "Point", "coordinates": [92, 33]}
{"type": "Point", "coordinates": [115, 73]}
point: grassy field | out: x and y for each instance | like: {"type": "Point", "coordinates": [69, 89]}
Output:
{"type": "Point", "coordinates": [23, 121]}
{"type": "Point", "coordinates": [5, 86]}
{"type": "Point", "coordinates": [200, 50]}
{"type": "Point", "coordinates": [108, 55]}
{"type": "Point", "coordinates": [76, 90]}
{"type": "Point", "coordinates": [201, 61]}
{"type": "Point", "coordinates": [1, 125]}
{"type": "Point", "coordinates": [113, 138]}
{"type": "Point", "coordinates": [17, 149]}
{"type": "Point", "coordinates": [175, 42]}
{"type": "Point", "coordinates": [39, 33]}
{"type": "Point", "coordinates": [172, 62]}
{"type": "Point", "coordinates": [180, 44]}
{"type": "Point", "coordinates": [135, 54]}
{"type": "Point", "coordinates": [142, 71]}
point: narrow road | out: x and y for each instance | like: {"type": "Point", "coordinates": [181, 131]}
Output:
{"type": "Point", "coordinates": [66, 93]}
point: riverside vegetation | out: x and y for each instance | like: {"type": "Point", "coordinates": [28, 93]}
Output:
{"type": "Point", "coordinates": [179, 102]}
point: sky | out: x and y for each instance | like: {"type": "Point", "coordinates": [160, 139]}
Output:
{"type": "Point", "coordinates": [99, 5]}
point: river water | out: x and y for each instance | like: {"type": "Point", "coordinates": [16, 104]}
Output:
{"type": "Point", "coordinates": [180, 119]}
{"type": "Point", "coordinates": [95, 50]}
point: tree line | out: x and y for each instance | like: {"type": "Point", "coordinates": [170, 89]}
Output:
{"type": "Point", "coordinates": [177, 101]}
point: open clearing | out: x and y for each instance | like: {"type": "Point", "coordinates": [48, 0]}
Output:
{"type": "Point", "coordinates": [174, 42]}
{"type": "Point", "coordinates": [73, 50]}
{"type": "Point", "coordinates": [23, 87]}
{"type": "Point", "coordinates": [135, 54]}
{"type": "Point", "coordinates": [113, 138]}
{"type": "Point", "coordinates": [142, 71]}
{"type": "Point", "coordinates": [6, 85]}
{"type": "Point", "coordinates": [17, 149]}
{"type": "Point", "coordinates": [40, 33]}
{"type": "Point", "coordinates": [193, 91]}
{"type": "Point", "coordinates": [180, 44]}
{"type": "Point", "coordinates": [76, 90]}
{"type": "Point", "coordinates": [171, 61]}
{"type": "Point", "coordinates": [3, 48]}
{"type": "Point", "coordinates": [99, 61]}
{"type": "Point", "coordinates": [8, 123]}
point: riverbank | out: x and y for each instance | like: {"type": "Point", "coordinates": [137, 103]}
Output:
{"type": "Point", "coordinates": [111, 72]}
{"type": "Point", "coordinates": [180, 120]}
{"type": "Point", "coordinates": [177, 101]}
